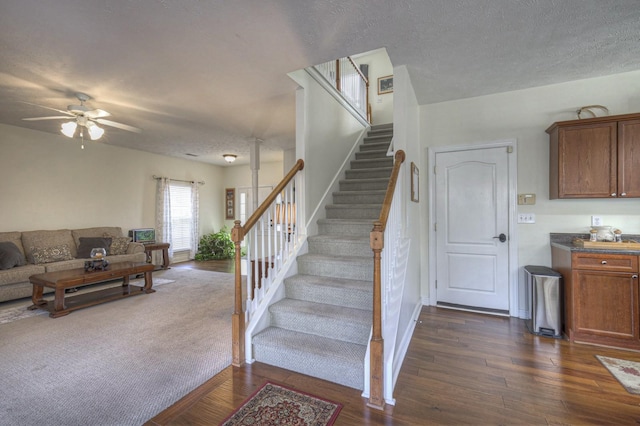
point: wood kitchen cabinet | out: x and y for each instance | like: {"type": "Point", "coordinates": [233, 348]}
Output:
{"type": "Point", "coordinates": [601, 297]}
{"type": "Point", "coordinates": [595, 157]}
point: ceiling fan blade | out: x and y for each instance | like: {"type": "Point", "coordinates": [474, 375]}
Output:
{"type": "Point", "coordinates": [117, 125]}
{"type": "Point", "coordinates": [96, 113]}
{"type": "Point", "coordinates": [53, 117]}
{"type": "Point", "coordinates": [52, 109]}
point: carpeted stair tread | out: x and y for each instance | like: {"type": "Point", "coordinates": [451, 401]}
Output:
{"type": "Point", "coordinates": [322, 319]}
{"type": "Point", "coordinates": [366, 173]}
{"type": "Point", "coordinates": [328, 359]}
{"type": "Point", "coordinates": [337, 291]}
{"type": "Point", "coordinates": [370, 196]}
{"type": "Point", "coordinates": [351, 267]}
{"type": "Point", "coordinates": [340, 245]}
{"type": "Point", "coordinates": [355, 227]}
{"type": "Point", "coordinates": [353, 211]}
{"type": "Point", "coordinates": [369, 163]}
{"type": "Point", "coordinates": [364, 184]}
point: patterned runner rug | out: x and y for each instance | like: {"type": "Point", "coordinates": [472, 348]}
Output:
{"type": "Point", "coordinates": [275, 404]}
{"type": "Point", "coordinates": [627, 372]}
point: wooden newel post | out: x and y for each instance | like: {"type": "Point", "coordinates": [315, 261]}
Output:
{"type": "Point", "coordinates": [376, 392]}
{"type": "Point", "coordinates": [237, 319]}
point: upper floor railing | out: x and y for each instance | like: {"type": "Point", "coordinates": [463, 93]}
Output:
{"type": "Point", "coordinates": [345, 76]}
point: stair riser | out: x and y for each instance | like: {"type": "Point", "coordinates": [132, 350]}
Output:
{"type": "Point", "coordinates": [350, 229]}
{"type": "Point", "coordinates": [355, 212]}
{"type": "Point", "coordinates": [340, 248]}
{"type": "Point", "coordinates": [363, 185]}
{"type": "Point", "coordinates": [372, 164]}
{"type": "Point", "coordinates": [321, 326]}
{"type": "Point", "coordinates": [375, 146]}
{"type": "Point", "coordinates": [339, 296]}
{"type": "Point", "coordinates": [355, 271]}
{"type": "Point", "coordinates": [358, 198]}
{"type": "Point", "coordinates": [346, 374]}
{"type": "Point", "coordinates": [368, 173]}
{"type": "Point", "coordinates": [371, 155]}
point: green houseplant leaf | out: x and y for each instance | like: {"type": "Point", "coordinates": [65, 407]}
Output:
{"type": "Point", "coordinates": [217, 245]}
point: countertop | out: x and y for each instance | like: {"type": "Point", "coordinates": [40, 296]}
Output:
{"type": "Point", "coordinates": [565, 242]}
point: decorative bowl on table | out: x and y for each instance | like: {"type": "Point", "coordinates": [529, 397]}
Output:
{"type": "Point", "coordinates": [98, 261]}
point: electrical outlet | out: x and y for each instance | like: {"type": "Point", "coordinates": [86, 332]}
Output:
{"type": "Point", "coordinates": [596, 221]}
{"type": "Point", "coordinates": [526, 218]}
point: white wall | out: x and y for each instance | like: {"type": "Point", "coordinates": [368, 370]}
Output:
{"type": "Point", "coordinates": [48, 182]}
{"type": "Point", "coordinates": [405, 137]}
{"type": "Point", "coordinates": [379, 66]}
{"type": "Point", "coordinates": [525, 115]}
{"type": "Point", "coordinates": [325, 135]}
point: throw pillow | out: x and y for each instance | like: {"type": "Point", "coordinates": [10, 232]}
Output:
{"type": "Point", "coordinates": [10, 255]}
{"type": "Point", "coordinates": [51, 254]}
{"type": "Point", "coordinates": [88, 243]}
{"type": "Point", "coordinates": [119, 245]}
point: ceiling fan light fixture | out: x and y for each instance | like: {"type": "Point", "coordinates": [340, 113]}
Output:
{"type": "Point", "coordinates": [69, 128]}
{"type": "Point", "coordinates": [229, 158]}
{"type": "Point", "coordinates": [95, 132]}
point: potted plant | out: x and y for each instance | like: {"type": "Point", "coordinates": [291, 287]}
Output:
{"type": "Point", "coordinates": [217, 245]}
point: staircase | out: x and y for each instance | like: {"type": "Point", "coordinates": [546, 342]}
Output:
{"type": "Point", "coordinates": [323, 325]}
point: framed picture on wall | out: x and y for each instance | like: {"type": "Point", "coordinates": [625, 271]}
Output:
{"type": "Point", "coordinates": [415, 183]}
{"type": "Point", "coordinates": [385, 84]}
{"type": "Point", "coordinates": [230, 201]}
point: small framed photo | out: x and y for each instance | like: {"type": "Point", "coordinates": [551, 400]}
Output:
{"type": "Point", "coordinates": [385, 85]}
{"type": "Point", "coordinates": [230, 196]}
{"type": "Point", "coordinates": [415, 183]}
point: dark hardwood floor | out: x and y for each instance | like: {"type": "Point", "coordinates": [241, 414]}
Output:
{"type": "Point", "coordinates": [461, 368]}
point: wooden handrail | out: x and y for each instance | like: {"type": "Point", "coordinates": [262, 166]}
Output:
{"type": "Point", "coordinates": [365, 79]}
{"type": "Point", "coordinates": [237, 235]}
{"type": "Point", "coordinates": [376, 384]}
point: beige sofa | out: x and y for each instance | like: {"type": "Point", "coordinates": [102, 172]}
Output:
{"type": "Point", "coordinates": [55, 250]}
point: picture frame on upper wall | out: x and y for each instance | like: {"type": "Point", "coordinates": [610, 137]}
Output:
{"type": "Point", "coordinates": [415, 183]}
{"type": "Point", "coordinates": [230, 198]}
{"type": "Point", "coordinates": [385, 84]}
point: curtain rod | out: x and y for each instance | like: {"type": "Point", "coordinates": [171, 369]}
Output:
{"type": "Point", "coordinates": [177, 180]}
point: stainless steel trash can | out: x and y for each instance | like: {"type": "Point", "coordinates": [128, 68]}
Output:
{"type": "Point", "coordinates": [545, 301]}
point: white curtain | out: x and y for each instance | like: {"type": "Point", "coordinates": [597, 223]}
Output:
{"type": "Point", "coordinates": [195, 200]}
{"type": "Point", "coordinates": [163, 217]}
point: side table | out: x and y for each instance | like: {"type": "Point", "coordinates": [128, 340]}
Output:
{"type": "Point", "coordinates": [151, 247]}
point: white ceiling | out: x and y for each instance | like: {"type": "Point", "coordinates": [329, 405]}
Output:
{"type": "Point", "coordinates": [210, 76]}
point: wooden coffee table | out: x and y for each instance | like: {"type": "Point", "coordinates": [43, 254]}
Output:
{"type": "Point", "coordinates": [61, 280]}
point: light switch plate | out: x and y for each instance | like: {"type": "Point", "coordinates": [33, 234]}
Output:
{"type": "Point", "coordinates": [596, 221]}
{"type": "Point", "coordinates": [526, 218]}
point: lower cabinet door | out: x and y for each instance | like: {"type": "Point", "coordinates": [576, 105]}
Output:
{"type": "Point", "coordinates": [606, 307]}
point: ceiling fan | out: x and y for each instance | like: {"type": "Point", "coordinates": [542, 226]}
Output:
{"type": "Point", "coordinates": [85, 118]}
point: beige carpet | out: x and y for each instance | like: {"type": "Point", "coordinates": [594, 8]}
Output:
{"type": "Point", "coordinates": [119, 363]}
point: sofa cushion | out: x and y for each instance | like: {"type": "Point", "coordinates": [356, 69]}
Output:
{"type": "Point", "coordinates": [45, 239]}
{"type": "Point", "coordinates": [51, 254]}
{"type": "Point", "coordinates": [99, 231]}
{"type": "Point", "coordinates": [88, 243]}
{"type": "Point", "coordinates": [19, 274]}
{"type": "Point", "coordinates": [119, 245]}
{"type": "Point", "coordinates": [15, 238]}
{"type": "Point", "coordinates": [10, 255]}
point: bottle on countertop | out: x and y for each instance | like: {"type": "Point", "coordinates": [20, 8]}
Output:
{"type": "Point", "coordinates": [593, 235]}
{"type": "Point", "coordinates": [617, 236]}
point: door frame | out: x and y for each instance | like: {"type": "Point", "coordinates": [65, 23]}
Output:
{"type": "Point", "coordinates": [514, 289]}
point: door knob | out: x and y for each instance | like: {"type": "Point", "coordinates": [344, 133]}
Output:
{"type": "Point", "coordinates": [502, 238]}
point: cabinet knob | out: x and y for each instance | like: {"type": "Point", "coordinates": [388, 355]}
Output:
{"type": "Point", "coordinates": [634, 276]}
{"type": "Point", "coordinates": [604, 262]}
{"type": "Point", "coordinates": [624, 194]}
{"type": "Point", "coordinates": [613, 194]}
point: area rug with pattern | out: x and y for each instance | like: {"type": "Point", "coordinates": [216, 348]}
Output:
{"type": "Point", "coordinates": [274, 404]}
{"type": "Point", "coordinates": [626, 372]}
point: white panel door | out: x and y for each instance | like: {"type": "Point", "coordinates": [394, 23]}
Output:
{"type": "Point", "coordinates": [472, 212]}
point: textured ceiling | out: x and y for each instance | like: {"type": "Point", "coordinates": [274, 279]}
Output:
{"type": "Point", "coordinates": [208, 77]}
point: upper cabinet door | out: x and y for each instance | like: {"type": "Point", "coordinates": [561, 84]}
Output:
{"type": "Point", "coordinates": [629, 158]}
{"type": "Point", "coordinates": [587, 161]}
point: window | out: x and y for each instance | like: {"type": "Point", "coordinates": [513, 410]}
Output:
{"type": "Point", "coordinates": [182, 222]}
